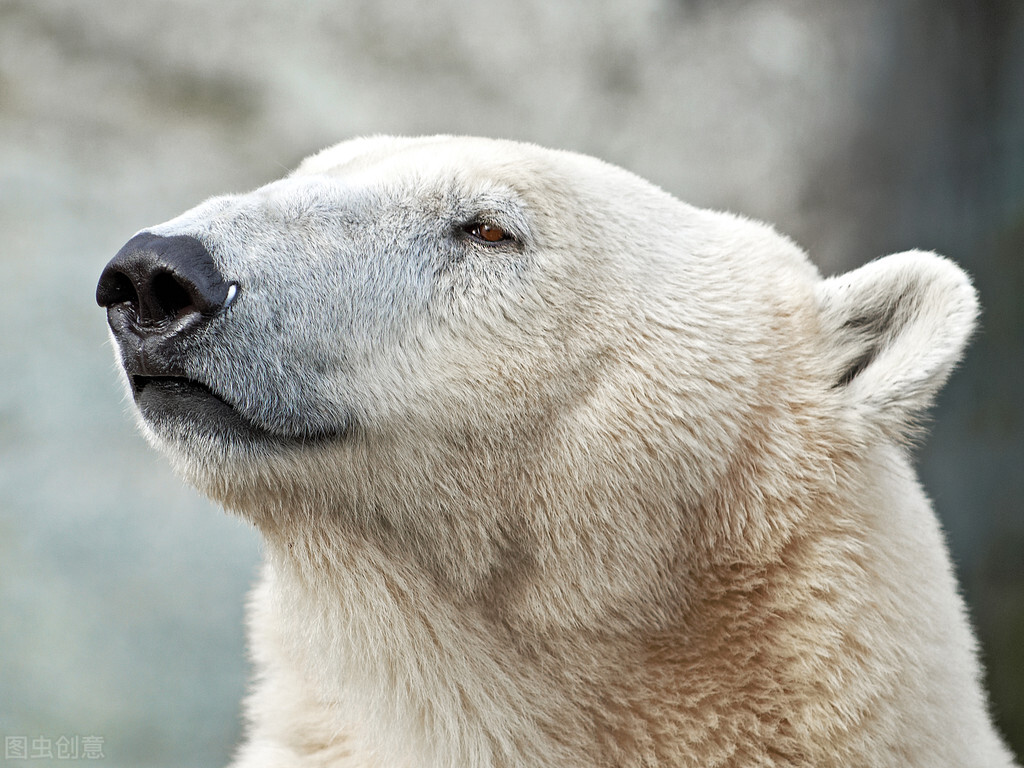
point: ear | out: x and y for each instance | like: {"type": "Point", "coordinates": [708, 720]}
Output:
{"type": "Point", "coordinates": [896, 327]}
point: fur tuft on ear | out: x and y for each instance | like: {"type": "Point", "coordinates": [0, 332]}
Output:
{"type": "Point", "coordinates": [895, 328]}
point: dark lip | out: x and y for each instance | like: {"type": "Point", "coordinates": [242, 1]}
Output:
{"type": "Point", "coordinates": [171, 399]}
{"type": "Point", "coordinates": [167, 399]}
{"type": "Point", "coordinates": [140, 383]}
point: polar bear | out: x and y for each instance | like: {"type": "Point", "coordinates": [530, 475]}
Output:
{"type": "Point", "coordinates": [555, 470]}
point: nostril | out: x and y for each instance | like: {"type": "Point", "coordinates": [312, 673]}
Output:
{"type": "Point", "coordinates": [116, 288]}
{"type": "Point", "coordinates": [170, 295]}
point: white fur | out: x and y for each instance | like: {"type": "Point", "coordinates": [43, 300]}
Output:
{"type": "Point", "coordinates": [628, 490]}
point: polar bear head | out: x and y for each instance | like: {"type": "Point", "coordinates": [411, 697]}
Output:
{"type": "Point", "coordinates": [520, 366]}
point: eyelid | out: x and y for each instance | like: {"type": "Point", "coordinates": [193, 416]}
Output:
{"type": "Point", "coordinates": [473, 227]}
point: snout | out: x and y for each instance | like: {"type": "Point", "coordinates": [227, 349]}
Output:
{"type": "Point", "coordinates": [158, 291]}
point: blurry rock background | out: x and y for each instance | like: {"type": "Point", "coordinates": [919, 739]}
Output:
{"type": "Point", "coordinates": [858, 128]}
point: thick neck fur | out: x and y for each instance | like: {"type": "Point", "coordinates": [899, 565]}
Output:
{"type": "Point", "coordinates": [564, 639]}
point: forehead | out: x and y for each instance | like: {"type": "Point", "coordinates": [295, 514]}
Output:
{"type": "Point", "coordinates": [439, 161]}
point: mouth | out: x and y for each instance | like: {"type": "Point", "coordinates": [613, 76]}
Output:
{"type": "Point", "coordinates": [174, 385]}
{"type": "Point", "coordinates": [175, 401]}
{"type": "Point", "coordinates": [164, 400]}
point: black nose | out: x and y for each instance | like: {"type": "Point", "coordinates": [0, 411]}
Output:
{"type": "Point", "coordinates": [156, 290]}
{"type": "Point", "coordinates": [162, 279]}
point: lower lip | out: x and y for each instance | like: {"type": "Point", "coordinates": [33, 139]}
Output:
{"type": "Point", "coordinates": [174, 403]}
{"type": "Point", "coordinates": [163, 398]}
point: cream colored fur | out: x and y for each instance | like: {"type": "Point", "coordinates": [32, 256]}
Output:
{"type": "Point", "coordinates": [630, 490]}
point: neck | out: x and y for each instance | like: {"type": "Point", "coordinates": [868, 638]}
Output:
{"type": "Point", "coordinates": [447, 632]}
{"type": "Point", "coordinates": [380, 635]}
{"type": "Point", "coordinates": [414, 674]}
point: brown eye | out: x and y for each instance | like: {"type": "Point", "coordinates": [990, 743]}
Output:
{"type": "Point", "coordinates": [489, 233]}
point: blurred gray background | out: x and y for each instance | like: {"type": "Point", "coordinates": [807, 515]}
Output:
{"type": "Point", "coordinates": [858, 128]}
